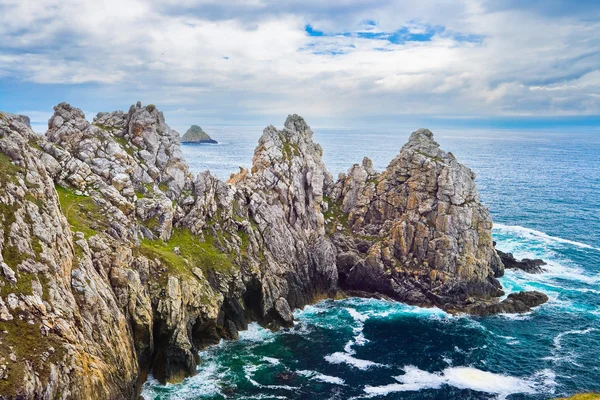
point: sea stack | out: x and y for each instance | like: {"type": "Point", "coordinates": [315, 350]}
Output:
{"type": "Point", "coordinates": [196, 135]}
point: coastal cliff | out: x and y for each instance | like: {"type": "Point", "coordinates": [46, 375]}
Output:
{"type": "Point", "coordinates": [116, 260]}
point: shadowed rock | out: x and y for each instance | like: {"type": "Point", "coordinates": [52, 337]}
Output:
{"type": "Point", "coordinates": [519, 302]}
{"type": "Point", "coordinates": [531, 266]}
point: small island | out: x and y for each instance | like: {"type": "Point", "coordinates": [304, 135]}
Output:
{"type": "Point", "coordinates": [196, 135]}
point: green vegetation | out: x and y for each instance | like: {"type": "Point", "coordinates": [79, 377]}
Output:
{"type": "Point", "coordinates": [9, 170]}
{"type": "Point", "coordinates": [12, 256]}
{"type": "Point", "coordinates": [152, 223]}
{"type": "Point", "coordinates": [103, 127]}
{"type": "Point", "coordinates": [193, 252]}
{"type": "Point", "coordinates": [334, 215]}
{"type": "Point", "coordinates": [147, 190]}
{"type": "Point", "coordinates": [22, 286]}
{"type": "Point", "coordinates": [124, 143]}
{"type": "Point", "coordinates": [289, 149]}
{"type": "Point", "coordinates": [373, 180]}
{"type": "Point", "coordinates": [39, 203]}
{"type": "Point", "coordinates": [33, 143]}
{"type": "Point", "coordinates": [29, 344]}
{"type": "Point", "coordinates": [82, 213]}
{"type": "Point", "coordinates": [434, 158]}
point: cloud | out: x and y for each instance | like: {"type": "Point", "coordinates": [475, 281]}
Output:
{"type": "Point", "coordinates": [322, 59]}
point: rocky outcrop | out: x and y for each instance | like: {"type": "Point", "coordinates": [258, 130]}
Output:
{"type": "Point", "coordinates": [115, 260]}
{"type": "Point", "coordinates": [416, 232]}
{"type": "Point", "coordinates": [528, 265]}
{"type": "Point", "coordinates": [196, 135]}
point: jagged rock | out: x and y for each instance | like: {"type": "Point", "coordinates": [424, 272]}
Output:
{"type": "Point", "coordinates": [9, 274]}
{"type": "Point", "coordinates": [5, 315]}
{"type": "Point", "coordinates": [121, 260]}
{"type": "Point", "coordinates": [430, 236]}
{"type": "Point", "coordinates": [531, 266]}
{"type": "Point", "coordinates": [196, 135]}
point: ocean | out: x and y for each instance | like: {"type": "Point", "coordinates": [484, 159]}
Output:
{"type": "Point", "coordinates": [543, 190]}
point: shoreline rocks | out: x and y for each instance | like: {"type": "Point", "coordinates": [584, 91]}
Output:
{"type": "Point", "coordinates": [116, 260]}
{"type": "Point", "coordinates": [528, 265]}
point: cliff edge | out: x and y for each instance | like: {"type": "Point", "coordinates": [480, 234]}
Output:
{"type": "Point", "coordinates": [116, 260]}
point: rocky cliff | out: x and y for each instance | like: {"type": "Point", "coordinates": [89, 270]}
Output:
{"type": "Point", "coordinates": [116, 260]}
{"type": "Point", "coordinates": [197, 135]}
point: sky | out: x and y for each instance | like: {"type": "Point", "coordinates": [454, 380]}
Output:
{"type": "Point", "coordinates": [502, 63]}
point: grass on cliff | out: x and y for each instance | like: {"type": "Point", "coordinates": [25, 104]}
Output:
{"type": "Point", "coordinates": [582, 396]}
{"type": "Point", "coordinates": [334, 216]}
{"type": "Point", "coordinates": [124, 143]}
{"type": "Point", "coordinates": [23, 285]}
{"type": "Point", "coordinates": [82, 213]}
{"type": "Point", "coordinates": [434, 158]}
{"type": "Point", "coordinates": [28, 344]}
{"type": "Point", "coordinates": [193, 252]}
{"type": "Point", "coordinates": [11, 255]}
{"type": "Point", "coordinates": [8, 174]}
{"type": "Point", "coordinates": [8, 170]}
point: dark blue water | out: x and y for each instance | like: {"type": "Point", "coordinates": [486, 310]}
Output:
{"type": "Point", "coordinates": [543, 189]}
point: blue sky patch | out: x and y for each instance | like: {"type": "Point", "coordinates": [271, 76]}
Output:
{"type": "Point", "coordinates": [400, 36]}
{"type": "Point", "coordinates": [312, 32]}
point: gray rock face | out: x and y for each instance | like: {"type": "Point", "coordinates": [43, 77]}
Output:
{"type": "Point", "coordinates": [113, 258]}
{"type": "Point", "coordinates": [196, 135]}
{"type": "Point", "coordinates": [425, 237]}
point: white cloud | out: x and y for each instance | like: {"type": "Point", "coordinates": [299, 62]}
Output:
{"type": "Point", "coordinates": [254, 57]}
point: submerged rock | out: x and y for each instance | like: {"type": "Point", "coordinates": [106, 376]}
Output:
{"type": "Point", "coordinates": [196, 135]}
{"type": "Point", "coordinates": [528, 265]}
{"type": "Point", "coordinates": [519, 302]}
{"type": "Point", "coordinates": [115, 259]}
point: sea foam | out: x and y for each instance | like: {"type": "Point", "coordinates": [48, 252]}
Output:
{"type": "Point", "coordinates": [534, 234]}
{"type": "Point", "coordinates": [416, 379]}
{"type": "Point", "coordinates": [317, 376]}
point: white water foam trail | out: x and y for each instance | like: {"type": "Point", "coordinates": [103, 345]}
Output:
{"type": "Point", "coordinates": [317, 376]}
{"type": "Point", "coordinates": [256, 333]}
{"type": "Point", "coordinates": [249, 371]}
{"type": "Point", "coordinates": [529, 243]}
{"type": "Point", "coordinates": [205, 383]}
{"type": "Point", "coordinates": [565, 355]}
{"type": "Point", "coordinates": [416, 379]}
{"type": "Point", "coordinates": [534, 234]}
{"type": "Point", "coordinates": [559, 337]}
{"type": "Point", "coordinates": [347, 357]}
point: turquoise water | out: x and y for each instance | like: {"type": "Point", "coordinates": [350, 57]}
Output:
{"type": "Point", "coordinates": [543, 189]}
